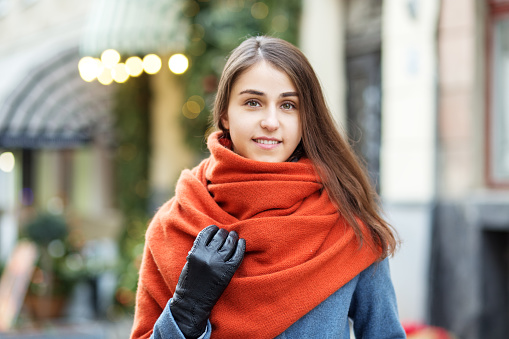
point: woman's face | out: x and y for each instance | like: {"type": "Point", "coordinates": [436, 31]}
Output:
{"type": "Point", "coordinates": [263, 114]}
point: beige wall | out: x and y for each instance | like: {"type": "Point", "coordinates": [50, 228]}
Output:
{"type": "Point", "coordinates": [322, 41]}
{"type": "Point", "coordinates": [461, 48]}
{"type": "Point", "coordinates": [409, 101]}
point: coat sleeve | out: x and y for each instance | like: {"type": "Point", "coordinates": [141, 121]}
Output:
{"type": "Point", "coordinates": [373, 309]}
{"type": "Point", "coordinates": [152, 316]}
{"type": "Point", "coordinates": [166, 327]}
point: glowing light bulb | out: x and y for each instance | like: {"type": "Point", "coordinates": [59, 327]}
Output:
{"type": "Point", "coordinates": [152, 63]}
{"type": "Point", "coordinates": [7, 162]}
{"type": "Point", "coordinates": [119, 73]}
{"type": "Point", "coordinates": [110, 58]}
{"type": "Point", "coordinates": [134, 66]}
{"type": "Point", "coordinates": [178, 63]}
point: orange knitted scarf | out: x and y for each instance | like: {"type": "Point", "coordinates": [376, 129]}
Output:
{"type": "Point", "coordinates": [299, 250]}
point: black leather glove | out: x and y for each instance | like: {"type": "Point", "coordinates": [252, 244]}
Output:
{"type": "Point", "coordinates": [211, 263]}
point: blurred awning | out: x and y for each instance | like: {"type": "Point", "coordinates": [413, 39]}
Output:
{"type": "Point", "coordinates": [52, 107]}
{"type": "Point", "coordinates": [136, 27]}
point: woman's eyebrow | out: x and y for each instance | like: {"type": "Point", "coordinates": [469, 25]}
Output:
{"type": "Point", "coordinates": [289, 94]}
{"type": "Point", "coordinates": [255, 92]}
{"type": "Point", "coordinates": [252, 91]}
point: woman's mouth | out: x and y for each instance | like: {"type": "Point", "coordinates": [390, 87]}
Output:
{"type": "Point", "coordinates": [267, 142]}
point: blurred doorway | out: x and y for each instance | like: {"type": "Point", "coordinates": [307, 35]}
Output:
{"type": "Point", "coordinates": [363, 72]}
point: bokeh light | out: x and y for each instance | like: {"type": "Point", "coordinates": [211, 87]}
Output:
{"type": "Point", "coordinates": [56, 248]}
{"type": "Point", "coordinates": [89, 68]}
{"type": "Point", "coordinates": [152, 63]}
{"type": "Point", "coordinates": [7, 162]}
{"type": "Point", "coordinates": [235, 5]}
{"type": "Point", "coordinates": [110, 58]}
{"type": "Point", "coordinates": [193, 107]}
{"type": "Point", "coordinates": [134, 66]}
{"type": "Point", "coordinates": [178, 63]}
{"type": "Point", "coordinates": [119, 73]}
{"type": "Point", "coordinates": [191, 8]}
{"type": "Point", "coordinates": [198, 32]}
{"type": "Point", "coordinates": [280, 23]}
{"type": "Point", "coordinates": [105, 77]}
{"type": "Point", "coordinates": [259, 10]}
{"type": "Point", "coordinates": [199, 100]}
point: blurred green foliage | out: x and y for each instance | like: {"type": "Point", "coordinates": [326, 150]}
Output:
{"type": "Point", "coordinates": [132, 138]}
{"type": "Point", "coordinates": [53, 276]}
{"type": "Point", "coordinates": [45, 228]}
{"type": "Point", "coordinates": [217, 28]}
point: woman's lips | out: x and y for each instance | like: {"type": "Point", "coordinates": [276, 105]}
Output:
{"type": "Point", "coordinates": [267, 143]}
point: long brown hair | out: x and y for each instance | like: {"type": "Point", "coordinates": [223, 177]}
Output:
{"type": "Point", "coordinates": [342, 174]}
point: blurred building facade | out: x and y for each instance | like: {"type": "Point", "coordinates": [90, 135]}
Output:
{"type": "Point", "coordinates": [442, 143]}
{"type": "Point", "coordinates": [47, 115]}
{"type": "Point", "coordinates": [418, 85]}
{"type": "Point", "coordinates": [59, 129]}
{"type": "Point", "coordinates": [469, 285]}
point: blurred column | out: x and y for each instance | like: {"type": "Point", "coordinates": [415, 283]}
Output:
{"type": "Point", "coordinates": [169, 155]}
{"type": "Point", "coordinates": [322, 41]}
{"type": "Point", "coordinates": [408, 151]}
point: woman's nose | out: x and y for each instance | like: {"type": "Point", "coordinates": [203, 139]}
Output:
{"type": "Point", "coordinates": [270, 121]}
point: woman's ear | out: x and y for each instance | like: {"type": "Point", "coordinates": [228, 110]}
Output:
{"type": "Point", "coordinates": [224, 120]}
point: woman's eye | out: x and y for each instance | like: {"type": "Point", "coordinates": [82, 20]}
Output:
{"type": "Point", "coordinates": [287, 105]}
{"type": "Point", "coordinates": [252, 103]}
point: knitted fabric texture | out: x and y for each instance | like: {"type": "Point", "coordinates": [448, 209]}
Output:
{"type": "Point", "coordinates": [299, 250]}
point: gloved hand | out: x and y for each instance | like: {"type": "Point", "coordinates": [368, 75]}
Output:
{"type": "Point", "coordinates": [211, 263]}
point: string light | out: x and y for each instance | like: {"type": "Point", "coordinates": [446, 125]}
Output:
{"type": "Point", "coordinates": [119, 73]}
{"type": "Point", "coordinates": [109, 68]}
{"type": "Point", "coordinates": [152, 63]}
{"type": "Point", "coordinates": [134, 66]}
{"type": "Point", "coordinates": [178, 63]}
{"type": "Point", "coordinates": [105, 77]}
{"type": "Point", "coordinates": [110, 58]}
{"type": "Point", "coordinates": [89, 68]}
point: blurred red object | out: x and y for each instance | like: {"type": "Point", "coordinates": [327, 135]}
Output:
{"type": "Point", "coordinates": [422, 331]}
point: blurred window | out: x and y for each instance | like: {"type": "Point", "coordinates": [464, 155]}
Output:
{"type": "Point", "coordinates": [498, 122]}
{"type": "Point", "coordinates": [500, 108]}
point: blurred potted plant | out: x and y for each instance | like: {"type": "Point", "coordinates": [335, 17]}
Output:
{"type": "Point", "coordinates": [52, 281]}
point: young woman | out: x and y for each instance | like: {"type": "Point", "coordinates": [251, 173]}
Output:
{"type": "Point", "coordinates": [313, 248]}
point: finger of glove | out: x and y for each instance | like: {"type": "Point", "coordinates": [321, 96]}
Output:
{"type": "Point", "coordinates": [229, 246]}
{"type": "Point", "coordinates": [237, 257]}
{"type": "Point", "coordinates": [205, 235]}
{"type": "Point", "coordinates": [218, 239]}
